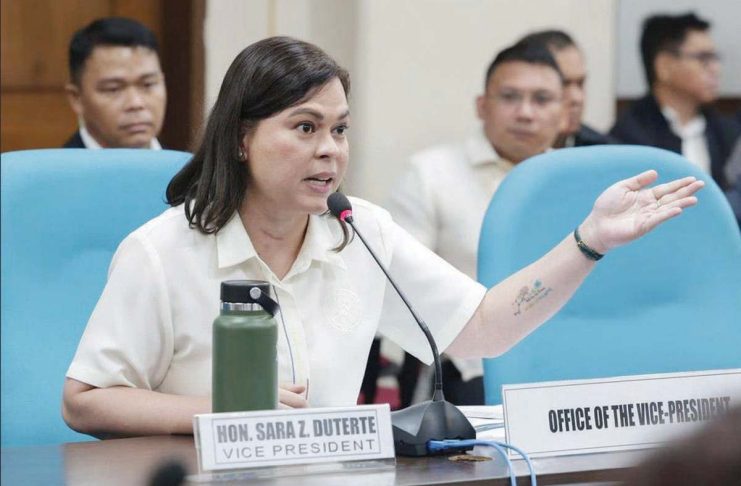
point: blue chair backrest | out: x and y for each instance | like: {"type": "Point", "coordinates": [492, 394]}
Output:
{"type": "Point", "coordinates": [64, 212]}
{"type": "Point", "coordinates": [670, 301]}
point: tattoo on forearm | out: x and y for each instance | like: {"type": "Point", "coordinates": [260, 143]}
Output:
{"type": "Point", "coordinates": [529, 296]}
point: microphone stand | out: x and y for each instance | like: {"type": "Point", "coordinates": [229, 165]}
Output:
{"type": "Point", "coordinates": [435, 419]}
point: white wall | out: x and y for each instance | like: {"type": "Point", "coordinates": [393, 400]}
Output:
{"type": "Point", "coordinates": [416, 65]}
{"type": "Point", "coordinates": [232, 25]}
{"type": "Point", "coordinates": [725, 17]}
{"type": "Point", "coordinates": [421, 63]}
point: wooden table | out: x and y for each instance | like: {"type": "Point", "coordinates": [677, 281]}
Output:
{"type": "Point", "coordinates": [132, 461]}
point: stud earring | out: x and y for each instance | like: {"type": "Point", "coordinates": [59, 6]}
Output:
{"type": "Point", "coordinates": [241, 154]}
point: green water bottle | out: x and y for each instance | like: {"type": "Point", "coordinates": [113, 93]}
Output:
{"type": "Point", "coordinates": [245, 337]}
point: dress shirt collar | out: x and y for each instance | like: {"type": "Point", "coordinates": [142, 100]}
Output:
{"type": "Point", "coordinates": [479, 151]}
{"type": "Point", "coordinates": [234, 245]}
{"type": "Point", "coordinates": [692, 135]}
{"type": "Point", "coordinates": [318, 243]}
{"type": "Point", "coordinates": [91, 143]}
{"type": "Point", "coordinates": [691, 129]}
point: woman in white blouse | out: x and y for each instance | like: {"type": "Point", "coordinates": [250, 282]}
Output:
{"type": "Point", "coordinates": [251, 204]}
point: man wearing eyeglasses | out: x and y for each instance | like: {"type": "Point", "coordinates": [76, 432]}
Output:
{"type": "Point", "coordinates": [683, 69]}
{"type": "Point", "coordinates": [442, 197]}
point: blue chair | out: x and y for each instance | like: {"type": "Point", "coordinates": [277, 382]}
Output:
{"type": "Point", "coordinates": [670, 301]}
{"type": "Point", "coordinates": [64, 212]}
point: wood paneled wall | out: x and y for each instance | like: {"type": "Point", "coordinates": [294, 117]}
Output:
{"type": "Point", "coordinates": [35, 37]}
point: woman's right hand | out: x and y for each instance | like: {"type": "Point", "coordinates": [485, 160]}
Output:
{"type": "Point", "coordinates": [292, 396]}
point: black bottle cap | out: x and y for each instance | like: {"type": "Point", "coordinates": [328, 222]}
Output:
{"type": "Point", "coordinates": [238, 291]}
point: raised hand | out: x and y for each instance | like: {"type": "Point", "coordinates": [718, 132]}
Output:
{"type": "Point", "coordinates": [629, 209]}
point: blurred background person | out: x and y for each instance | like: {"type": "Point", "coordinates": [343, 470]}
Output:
{"type": "Point", "coordinates": [117, 87]}
{"type": "Point", "coordinates": [733, 175]}
{"type": "Point", "coordinates": [682, 68]}
{"type": "Point", "coordinates": [570, 60]}
{"type": "Point", "coordinates": [442, 197]}
{"type": "Point", "coordinates": [711, 456]}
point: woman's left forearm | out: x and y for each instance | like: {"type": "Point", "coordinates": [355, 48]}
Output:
{"type": "Point", "coordinates": [519, 304]}
{"type": "Point", "coordinates": [515, 307]}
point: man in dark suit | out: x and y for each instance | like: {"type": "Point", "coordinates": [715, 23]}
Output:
{"type": "Point", "coordinates": [570, 61]}
{"type": "Point", "coordinates": [683, 70]}
{"type": "Point", "coordinates": [116, 88]}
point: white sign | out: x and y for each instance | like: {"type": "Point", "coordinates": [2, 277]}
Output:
{"type": "Point", "coordinates": [632, 412]}
{"type": "Point", "coordinates": [297, 436]}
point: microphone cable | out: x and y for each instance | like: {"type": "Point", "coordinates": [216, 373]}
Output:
{"type": "Point", "coordinates": [436, 446]}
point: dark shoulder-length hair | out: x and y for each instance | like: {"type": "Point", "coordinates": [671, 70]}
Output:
{"type": "Point", "coordinates": [265, 78]}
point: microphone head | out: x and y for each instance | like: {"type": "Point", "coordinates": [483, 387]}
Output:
{"type": "Point", "coordinates": [169, 473]}
{"type": "Point", "coordinates": [340, 207]}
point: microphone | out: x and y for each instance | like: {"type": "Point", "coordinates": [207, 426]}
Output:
{"type": "Point", "coordinates": [435, 419]}
{"type": "Point", "coordinates": [169, 473]}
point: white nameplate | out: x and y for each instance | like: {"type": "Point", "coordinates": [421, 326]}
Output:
{"type": "Point", "coordinates": [631, 412]}
{"type": "Point", "coordinates": [297, 436]}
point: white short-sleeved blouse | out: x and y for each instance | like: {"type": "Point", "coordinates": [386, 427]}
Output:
{"type": "Point", "coordinates": [152, 327]}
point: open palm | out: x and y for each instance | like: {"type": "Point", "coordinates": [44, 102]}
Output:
{"type": "Point", "coordinates": [629, 209]}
